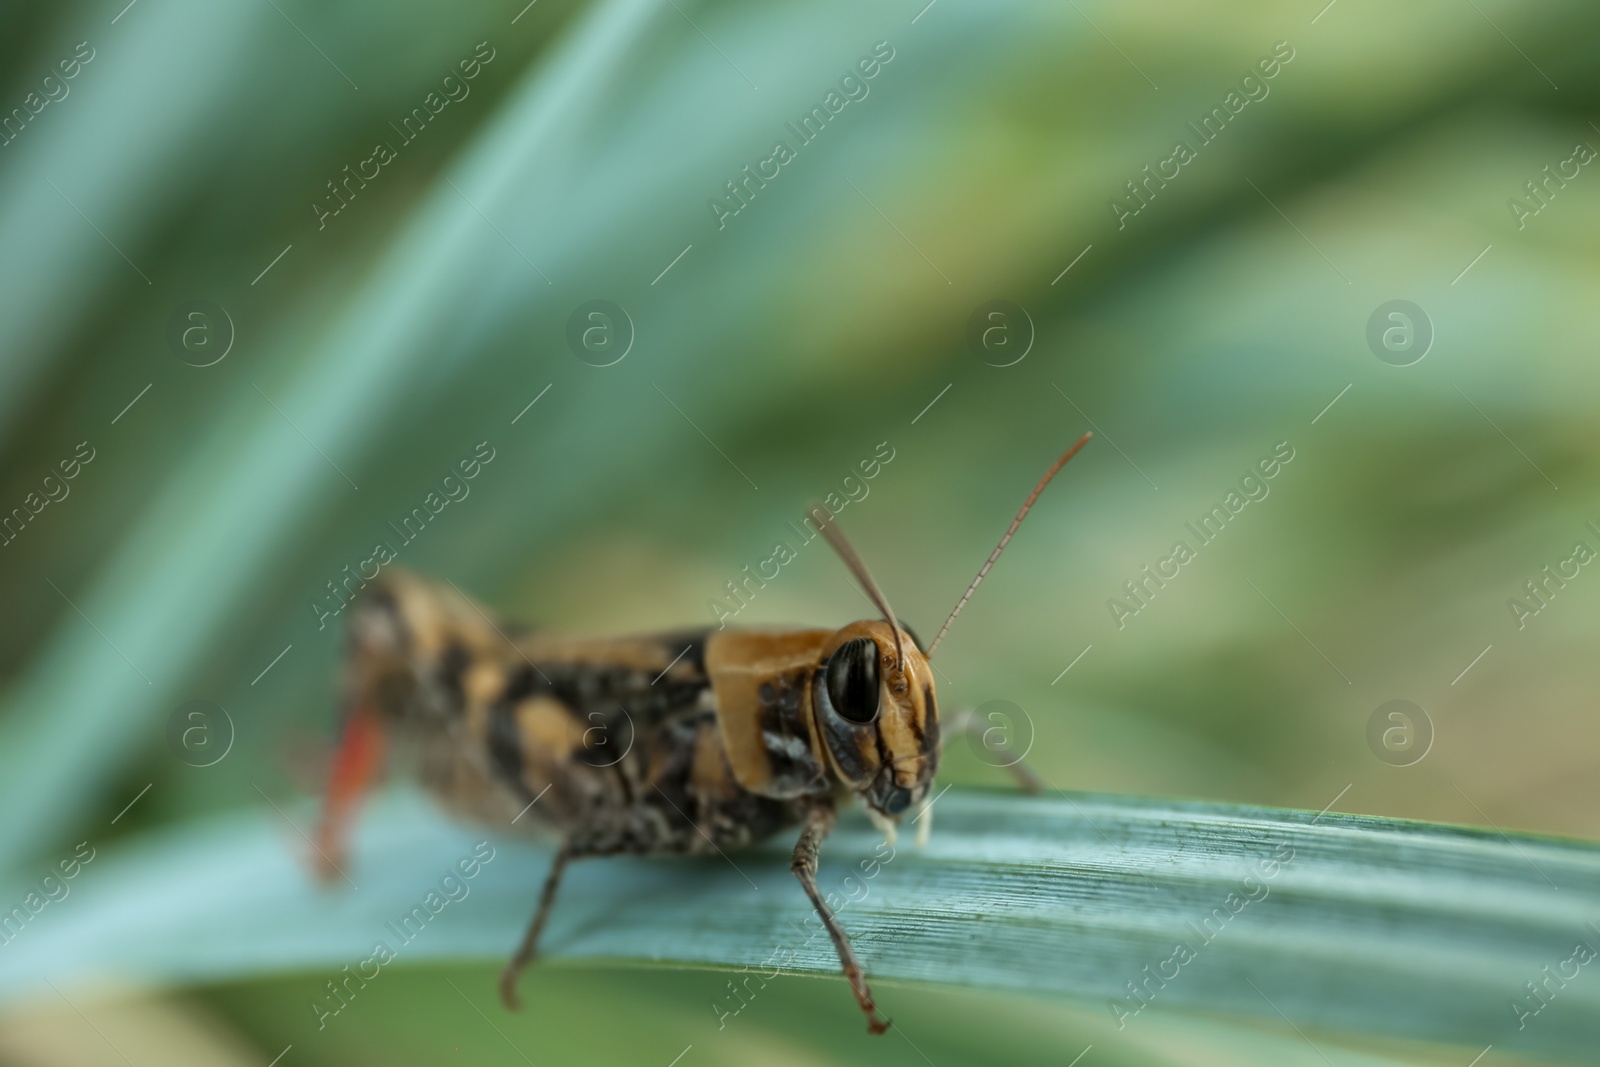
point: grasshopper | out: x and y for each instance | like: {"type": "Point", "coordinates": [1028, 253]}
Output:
{"type": "Point", "coordinates": [690, 742]}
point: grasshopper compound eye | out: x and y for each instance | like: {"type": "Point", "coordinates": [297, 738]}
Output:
{"type": "Point", "coordinates": [852, 681]}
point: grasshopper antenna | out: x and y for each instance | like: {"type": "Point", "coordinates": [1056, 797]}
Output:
{"type": "Point", "coordinates": [836, 538]}
{"type": "Point", "coordinates": [1026, 505]}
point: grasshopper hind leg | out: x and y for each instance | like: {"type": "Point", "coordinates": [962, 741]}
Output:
{"type": "Point", "coordinates": [529, 948]}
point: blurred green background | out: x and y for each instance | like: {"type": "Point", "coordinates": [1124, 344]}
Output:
{"type": "Point", "coordinates": [369, 355]}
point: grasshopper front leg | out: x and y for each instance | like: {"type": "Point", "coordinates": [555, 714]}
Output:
{"type": "Point", "coordinates": [530, 941]}
{"type": "Point", "coordinates": [820, 819]}
{"type": "Point", "coordinates": [967, 722]}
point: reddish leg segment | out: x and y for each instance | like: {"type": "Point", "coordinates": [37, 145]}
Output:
{"type": "Point", "coordinates": [355, 765]}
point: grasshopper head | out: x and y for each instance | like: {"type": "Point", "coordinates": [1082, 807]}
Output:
{"type": "Point", "coordinates": [873, 689]}
{"type": "Point", "coordinates": [876, 714]}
